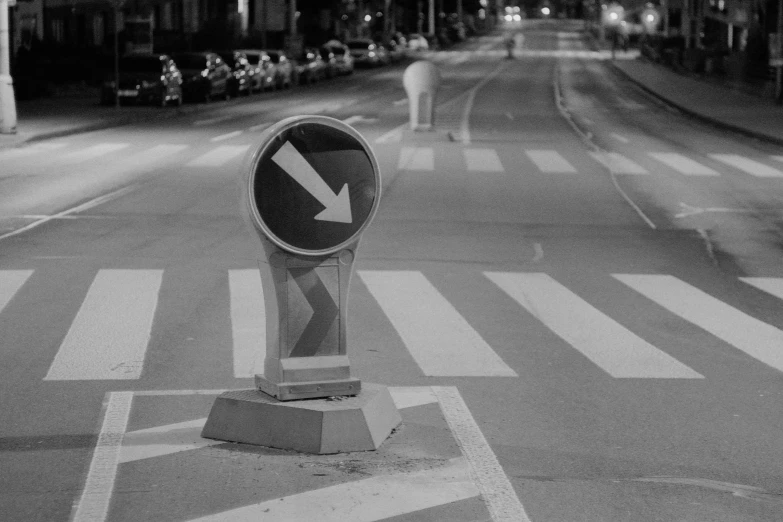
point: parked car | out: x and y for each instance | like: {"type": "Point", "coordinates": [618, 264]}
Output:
{"type": "Point", "coordinates": [395, 51]}
{"type": "Point", "coordinates": [365, 52]}
{"type": "Point", "coordinates": [262, 76]}
{"type": "Point", "coordinates": [310, 67]}
{"type": "Point", "coordinates": [283, 68]}
{"type": "Point", "coordinates": [145, 78]}
{"type": "Point", "coordinates": [204, 74]}
{"type": "Point", "coordinates": [241, 72]}
{"type": "Point", "coordinates": [417, 42]}
{"type": "Point", "coordinates": [342, 56]}
{"type": "Point", "coordinates": [330, 62]}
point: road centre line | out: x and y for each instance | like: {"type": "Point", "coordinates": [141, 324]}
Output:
{"type": "Point", "coordinates": [227, 136]}
{"type": "Point", "coordinates": [465, 123]}
{"type": "Point", "coordinates": [79, 208]}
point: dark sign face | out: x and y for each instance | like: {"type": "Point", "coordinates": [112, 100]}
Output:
{"type": "Point", "coordinates": [314, 186]}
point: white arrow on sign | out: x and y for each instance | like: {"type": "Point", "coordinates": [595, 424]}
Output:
{"type": "Point", "coordinates": [338, 206]}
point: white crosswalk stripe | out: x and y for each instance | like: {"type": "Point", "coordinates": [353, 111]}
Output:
{"type": "Point", "coordinates": [109, 336]}
{"type": "Point", "coordinates": [608, 344]}
{"type": "Point", "coordinates": [771, 285]}
{"type": "Point", "coordinates": [482, 160]}
{"type": "Point", "coordinates": [752, 167]}
{"type": "Point", "coordinates": [618, 163]}
{"type": "Point", "coordinates": [93, 152]}
{"type": "Point", "coordinates": [247, 322]}
{"type": "Point", "coordinates": [437, 336]}
{"type": "Point", "coordinates": [756, 338]}
{"type": "Point", "coordinates": [218, 156]}
{"type": "Point", "coordinates": [550, 161]}
{"type": "Point", "coordinates": [683, 164]}
{"type": "Point", "coordinates": [416, 158]}
{"type": "Point", "coordinates": [32, 150]}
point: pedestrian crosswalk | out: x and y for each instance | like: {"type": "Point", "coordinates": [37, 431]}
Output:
{"type": "Point", "coordinates": [109, 335]}
{"type": "Point", "coordinates": [413, 158]}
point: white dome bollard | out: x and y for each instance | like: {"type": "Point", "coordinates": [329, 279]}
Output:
{"type": "Point", "coordinates": [421, 80]}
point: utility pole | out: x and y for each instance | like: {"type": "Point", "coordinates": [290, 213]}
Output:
{"type": "Point", "coordinates": [7, 99]}
{"type": "Point", "coordinates": [431, 20]}
{"type": "Point", "coordinates": [779, 68]}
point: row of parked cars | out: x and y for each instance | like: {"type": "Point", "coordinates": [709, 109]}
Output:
{"type": "Point", "coordinates": [164, 79]}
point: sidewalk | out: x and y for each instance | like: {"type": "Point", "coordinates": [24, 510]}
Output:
{"type": "Point", "coordinates": [716, 104]}
{"type": "Point", "coordinates": [76, 111]}
{"type": "Point", "coordinates": [79, 111]}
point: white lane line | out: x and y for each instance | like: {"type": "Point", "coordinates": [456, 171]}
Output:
{"type": "Point", "coordinates": [248, 324]}
{"type": "Point", "coordinates": [464, 127]}
{"type": "Point", "coordinates": [618, 137]}
{"type": "Point", "coordinates": [487, 474]}
{"type": "Point", "coordinates": [416, 158]}
{"type": "Point", "coordinates": [752, 167]}
{"type": "Point", "coordinates": [411, 396]}
{"type": "Point", "coordinates": [436, 335]}
{"type": "Point", "coordinates": [771, 285]}
{"type": "Point", "coordinates": [93, 152]}
{"type": "Point", "coordinates": [403, 101]}
{"type": "Point", "coordinates": [618, 163]}
{"type": "Point", "coordinates": [608, 344]}
{"type": "Point", "coordinates": [226, 136]}
{"type": "Point", "coordinates": [353, 119]}
{"type": "Point", "coordinates": [482, 160]}
{"type": "Point", "coordinates": [683, 164]}
{"type": "Point", "coordinates": [218, 156]}
{"type": "Point", "coordinates": [756, 338]}
{"type": "Point", "coordinates": [164, 440]}
{"type": "Point", "coordinates": [152, 155]}
{"type": "Point", "coordinates": [259, 127]}
{"type": "Point", "coordinates": [550, 161]}
{"type": "Point", "coordinates": [368, 500]}
{"type": "Point", "coordinates": [10, 283]}
{"type": "Point", "coordinates": [210, 121]}
{"type": "Point", "coordinates": [93, 504]}
{"type": "Point", "coordinates": [100, 200]}
{"type": "Point", "coordinates": [778, 158]}
{"type": "Point", "coordinates": [109, 336]}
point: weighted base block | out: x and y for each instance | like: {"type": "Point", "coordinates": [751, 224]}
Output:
{"type": "Point", "coordinates": [321, 426]}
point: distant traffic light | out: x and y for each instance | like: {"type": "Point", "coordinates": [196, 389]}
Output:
{"type": "Point", "coordinates": [614, 14]}
{"type": "Point", "coordinates": [650, 19]}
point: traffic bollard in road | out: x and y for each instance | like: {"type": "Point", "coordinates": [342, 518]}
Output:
{"type": "Point", "coordinates": [421, 80]}
{"type": "Point", "coordinates": [310, 190]}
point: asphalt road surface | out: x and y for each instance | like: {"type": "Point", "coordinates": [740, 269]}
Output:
{"type": "Point", "coordinates": [574, 293]}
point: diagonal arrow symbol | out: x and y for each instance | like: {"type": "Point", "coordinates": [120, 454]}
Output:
{"type": "Point", "coordinates": [338, 206]}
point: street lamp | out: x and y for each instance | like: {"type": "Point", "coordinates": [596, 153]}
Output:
{"type": "Point", "coordinates": [7, 99]}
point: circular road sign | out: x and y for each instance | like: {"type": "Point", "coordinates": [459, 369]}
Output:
{"type": "Point", "coordinates": [313, 185]}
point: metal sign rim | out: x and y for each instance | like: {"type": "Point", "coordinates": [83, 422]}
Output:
{"type": "Point", "coordinates": [273, 132]}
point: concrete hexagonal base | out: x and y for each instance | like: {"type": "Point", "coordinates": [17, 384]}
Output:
{"type": "Point", "coordinates": [331, 425]}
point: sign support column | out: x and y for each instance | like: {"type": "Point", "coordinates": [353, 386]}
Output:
{"type": "Point", "coordinates": [7, 98]}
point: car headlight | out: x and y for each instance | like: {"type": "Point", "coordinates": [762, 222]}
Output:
{"type": "Point", "coordinates": [147, 85]}
{"type": "Point", "coordinates": [372, 54]}
{"type": "Point", "coordinates": [205, 73]}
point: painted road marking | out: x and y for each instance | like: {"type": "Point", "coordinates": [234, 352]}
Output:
{"type": "Point", "coordinates": [93, 152]}
{"type": "Point", "coordinates": [10, 283]}
{"type": "Point", "coordinates": [618, 163]}
{"type": "Point", "coordinates": [416, 158]}
{"type": "Point", "coordinates": [756, 338]}
{"type": "Point", "coordinates": [248, 324]}
{"type": "Point", "coordinates": [750, 166]}
{"type": "Point", "coordinates": [371, 499]}
{"type": "Point", "coordinates": [496, 489]}
{"type": "Point", "coordinates": [164, 440]}
{"type": "Point", "coordinates": [218, 156]}
{"type": "Point", "coordinates": [259, 127]}
{"type": "Point", "coordinates": [682, 164]}
{"type": "Point", "coordinates": [38, 148]}
{"type": "Point", "coordinates": [618, 137]}
{"type": "Point", "coordinates": [210, 121]}
{"type": "Point", "coordinates": [380, 497]}
{"type": "Point", "coordinates": [482, 160]}
{"type": "Point", "coordinates": [156, 153]}
{"type": "Point", "coordinates": [778, 158]}
{"type": "Point", "coordinates": [393, 136]}
{"type": "Point", "coordinates": [93, 505]}
{"type": "Point", "coordinates": [436, 335]}
{"type": "Point", "coordinates": [550, 161]}
{"type": "Point", "coordinates": [605, 342]}
{"type": "Point", "coordinates": [227, 136]}
{"type": "Point", "coordinates": [109, 336]}
{"type": "Point", "coordinates": [771, 285]}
